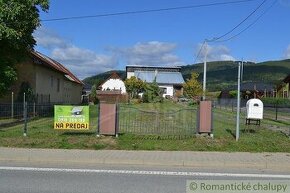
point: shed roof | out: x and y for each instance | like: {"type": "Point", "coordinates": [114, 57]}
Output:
{"type": "Point", "coordinates": [161, 77]}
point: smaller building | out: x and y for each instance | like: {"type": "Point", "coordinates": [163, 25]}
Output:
{"type": "Point", "coordinates": [113, 83]}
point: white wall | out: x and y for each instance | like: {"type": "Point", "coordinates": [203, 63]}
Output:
{"type": "Point", "coordinates": [169, 90]}
{"type": "Point", "coordinates": [130, 74]}
{"type": "Point", "coordinates": [114, 84]}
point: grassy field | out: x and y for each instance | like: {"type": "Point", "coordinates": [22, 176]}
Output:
{"type": "Point", "coordinates": [266, 138]}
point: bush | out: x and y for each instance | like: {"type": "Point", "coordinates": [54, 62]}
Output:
{"type": "Point", "coordinates": [152, 93]}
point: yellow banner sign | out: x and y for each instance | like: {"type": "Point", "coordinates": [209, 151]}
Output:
{"type": "Point", "coordinates": [71, 117]}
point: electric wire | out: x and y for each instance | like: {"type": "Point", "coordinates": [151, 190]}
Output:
{"type": "Point", "coordinates": [146, 11]}
{"type": "Point", "coordinates": [216, 40]}
{"type": "Point", "coordinates": [239, 24]}
{"type": "Point", "coordinates": [250, 25]}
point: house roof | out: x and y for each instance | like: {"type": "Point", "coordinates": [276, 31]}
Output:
{"type": "Point", "coordinates": [42, 59]}
{"type": "Point", "coordinates": [133, 68]}
{"type": "Point", "coordinates": [141, 66]}
{"type": "Point", "coordinates": [161, 77]}
{"type": "Point", "coordinates": [114, 75]}
{"type": "Point", "coordinates": [259, 86]}
{"type": "Point", "coordinates": [287, 79]}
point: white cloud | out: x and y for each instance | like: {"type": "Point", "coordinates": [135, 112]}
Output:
{"type": "Point", "coordinates": [153, 53]}
{"type": "Point", "coordinates": [215, 53]}
{"type": "Point", "coordinates": [287, 53]}
{"type": "Point", "coordinates": [81, 62]}
{"type": "Point", "coordinates": [84, 62]}
{"type": "Point", "coordinates": [48, 39]}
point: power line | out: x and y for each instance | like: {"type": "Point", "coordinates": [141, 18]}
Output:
{"type": "Point", "coordinates": [249, 26]}
{"type": "Point", "coordinates": [199, 52]}
{"type": "Point", "coordinates": [217, 39]}
{"type": "Point", "coordinates": [146, 11]}
{"type": "Point", "coordinates": [244, 20]}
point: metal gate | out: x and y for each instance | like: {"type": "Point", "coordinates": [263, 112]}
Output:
{"type": "Point", "coordinates": [137, 121]}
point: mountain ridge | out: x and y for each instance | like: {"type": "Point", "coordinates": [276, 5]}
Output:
{"type": "Point", "coordinates": [222, 74]}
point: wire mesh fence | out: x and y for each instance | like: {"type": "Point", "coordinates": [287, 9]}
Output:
{"type": "Point", "coordinates": [14, 112]}
{"type": "Point", "coordinates": [145, 122]}
{"type": "Point", "coordinates": [11, 114]}
{"type": "Point", "coordinates": [275, 112]}
{"type": "Point", "coordinates": [275, 116]}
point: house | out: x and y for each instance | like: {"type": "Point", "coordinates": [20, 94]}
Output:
{"type": "Point", "coordinates": [283, 89]}
{"type": "Point", "coordinates": [49, 81]}
{"type": "Point", "coordinates": [257, 90]}
{"type": "Point", "coordinates": [114, 82]}
{"type": "Point", "coordinates": [250, 90]}
{"type": "Point", "coordinates": [169, 79]}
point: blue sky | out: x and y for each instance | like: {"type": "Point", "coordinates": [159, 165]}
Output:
{"type": "Point", "coordinates": [91, 46]}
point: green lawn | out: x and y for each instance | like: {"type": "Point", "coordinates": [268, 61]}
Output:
{"type": "Point", "coordinates": [252, 139]}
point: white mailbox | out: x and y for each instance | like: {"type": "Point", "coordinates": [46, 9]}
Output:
{"type": "Point", "coordinates": [255, 109]}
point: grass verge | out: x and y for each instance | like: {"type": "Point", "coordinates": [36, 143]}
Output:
{"type": "Point", "coordinates": [252, 139]}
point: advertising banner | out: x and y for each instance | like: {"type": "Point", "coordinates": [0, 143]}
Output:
{"type": "Point", "coordinates": [71, 117]}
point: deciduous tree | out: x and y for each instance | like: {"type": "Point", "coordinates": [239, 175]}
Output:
{"type": "Point", "coordinates": [134, 86]}
{"type": "Point", "coordinates": [18, 20]}
{"type": "Point", "coordinates": [192, 87]}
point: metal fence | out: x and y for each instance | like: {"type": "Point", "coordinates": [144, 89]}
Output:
{"type": "Point", "coordinates": [271, 111]}
{"type": "Point", "coordinates": [11, 113]}
{"type": "Point", "coordinates": [137, 121]}
{"type": "Point", "coordinates": [275, 117]}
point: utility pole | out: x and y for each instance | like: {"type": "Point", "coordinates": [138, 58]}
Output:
{"type": "Point", "coordinates": [204, 71]}
{"type": "Point", "coordinates": [238, 104]}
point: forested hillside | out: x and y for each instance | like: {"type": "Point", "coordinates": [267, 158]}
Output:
{"type": "Point", "coordinates": [223, 74]}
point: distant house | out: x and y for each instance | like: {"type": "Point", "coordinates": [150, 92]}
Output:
{"type": "Point", "coordinates": [113, 83]}
{"type": "Point", "coordinates": [257, 90]}
{"type": "Point", "coordinates": [251, 90]}
{"type": "Point", "coordinates": [283, 89]}
{"type": "Point", "coordinates": [49, 80]}
{"type": "Point", "coordinates": [169, 79]}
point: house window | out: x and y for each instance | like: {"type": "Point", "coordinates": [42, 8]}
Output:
{"type": "Point", "coordinates": [285, 94]}
{"type": "Point", "coordinates": [163, 90]}
{"type": "Point", "coordinates": [58, 85]}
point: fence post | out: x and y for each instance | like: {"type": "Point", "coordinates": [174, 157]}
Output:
{"type": "Point", "coordinates": [276, 106]}
{"type": "Point", "coordinates": [24, 115]}
{"type": "Point", "coordinates": [12, 105]}
{"type": "Point", "coordinates": [34, 109]}
{"type": "Point", "coordinates": [98, 126]}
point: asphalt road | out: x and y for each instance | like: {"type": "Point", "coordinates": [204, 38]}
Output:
{"type": "Point", "coordinates": [104, 179]}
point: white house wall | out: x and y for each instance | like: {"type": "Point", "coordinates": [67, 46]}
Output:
{"type": "Point", "coordinates": [169, 90]}
{"type": "Point", "coordinates": [114, 84]}
{"type": "Point", "coordinates": [130, 74]}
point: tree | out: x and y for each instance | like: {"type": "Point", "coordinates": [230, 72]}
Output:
{"type": "Point", "coordinates": [18, 20]}
{"type": "Point", "coordinates": [152, 93]}
{"type": "Point", "coordinates": [93, 95]}
{"type": "Point", "coordinates": [26, 88]}
{"type": "Point", "coordinates": [192, 87]}
{"type": "Point", "coordinates": [134, 86]}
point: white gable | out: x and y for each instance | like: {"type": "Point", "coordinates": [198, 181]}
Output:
{"type": "Point", "coordinates": [114, 84]}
